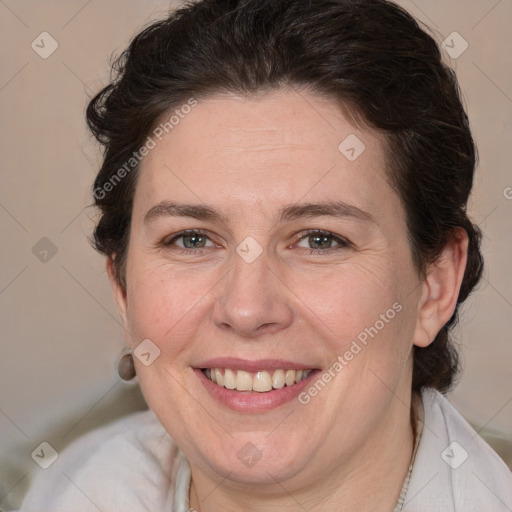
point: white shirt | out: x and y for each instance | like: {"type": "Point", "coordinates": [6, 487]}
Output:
{"type": "Point", "coordinates": [132, 465]}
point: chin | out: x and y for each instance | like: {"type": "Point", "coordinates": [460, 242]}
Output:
{"type": "Point", "coordinates": [258, 463]}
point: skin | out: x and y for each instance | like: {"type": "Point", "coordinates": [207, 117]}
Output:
{"type": "Point", "coordinates": [349, 448]}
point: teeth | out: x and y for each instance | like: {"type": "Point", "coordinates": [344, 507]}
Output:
{"type": "Point", "coordinates": [219, 378]}
{"type": "Point", "coordinates": [261, 381]}
{"type": "Point", "coordinates": [290, 377]}
{"type": "Point", "coordinates": [278, 381]}
{"type": "Point", "coordinates": [229, 379]}
{"type": "Point", "coordinates": [243, 381]}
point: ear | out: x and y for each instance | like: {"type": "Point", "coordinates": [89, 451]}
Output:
{"type": "Point", "coordinates": [117, 289]}
{"type": "Point", "coordinates": [440, 289]}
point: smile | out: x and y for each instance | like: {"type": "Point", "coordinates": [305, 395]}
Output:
{"type": "Point", "coordinates": [259, 381]}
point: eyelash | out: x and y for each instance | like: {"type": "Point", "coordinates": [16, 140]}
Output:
{"type": "Point", "coordinates": [167, 243]}
{"type": "Point", "coordinates": [343, 243]}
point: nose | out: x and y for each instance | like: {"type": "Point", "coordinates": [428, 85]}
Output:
{"type": "Point", "coordinates": [252, 300]}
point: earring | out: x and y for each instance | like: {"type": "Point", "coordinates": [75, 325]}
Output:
{"type": "Point", "coordinates": [126, 367]}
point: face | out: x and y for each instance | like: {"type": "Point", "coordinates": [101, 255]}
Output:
{"type": "Point", "coordinates": [295, 266]}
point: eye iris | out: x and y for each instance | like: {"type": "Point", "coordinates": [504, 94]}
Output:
{"type": "Point", "coordinates": [320, 241]}
{"type": "Point", "coordinates": [194, 241]}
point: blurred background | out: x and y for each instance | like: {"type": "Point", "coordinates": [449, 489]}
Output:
{"type": "Point", "coordinates": [60, 333]}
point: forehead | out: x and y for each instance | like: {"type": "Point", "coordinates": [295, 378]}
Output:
{"type": "Point", "coordinates": [265, 150]}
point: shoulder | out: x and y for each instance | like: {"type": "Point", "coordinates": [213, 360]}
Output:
{"type": "Point", "coordinates": [455, 469]}
{"type": "Point", "coordinates": [127, 465]}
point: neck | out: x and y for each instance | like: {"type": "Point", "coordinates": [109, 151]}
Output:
{"type": "Point", "coordinates": [370, 480]}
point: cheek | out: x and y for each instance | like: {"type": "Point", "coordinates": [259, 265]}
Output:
{"type": "Point", "coordinates": [163, 304]}
{"type": "Point", "coordinates": [344, 302]}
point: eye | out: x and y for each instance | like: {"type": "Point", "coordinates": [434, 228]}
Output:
{"type": "Point", "coordinates": [189, 240]}
{"type": "Point", "coordinates": [321, 241]}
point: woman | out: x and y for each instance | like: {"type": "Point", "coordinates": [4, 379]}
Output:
{"type": "Point", "coordinates": [283, 212]}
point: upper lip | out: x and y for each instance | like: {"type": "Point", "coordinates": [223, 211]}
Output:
{"type": "Point", "coordinates": [234, 363]}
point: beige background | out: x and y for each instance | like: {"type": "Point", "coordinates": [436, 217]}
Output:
{"type": "Point", "coordinates": [60, 335]}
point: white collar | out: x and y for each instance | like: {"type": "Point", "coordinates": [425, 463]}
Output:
{"type": "Point", "coordinates": [179, 493]}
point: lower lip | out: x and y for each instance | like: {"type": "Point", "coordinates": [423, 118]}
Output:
{"type": "Point", "coordinates": [252, 401]}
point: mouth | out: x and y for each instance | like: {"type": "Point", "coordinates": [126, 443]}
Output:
{"type": "Point", "coordinates": [254, 386]}
{"type": "Point", "coordinates": [261, 381]}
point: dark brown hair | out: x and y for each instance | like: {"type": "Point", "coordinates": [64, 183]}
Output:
{"type": "Point", "coordinates": [370, 56]}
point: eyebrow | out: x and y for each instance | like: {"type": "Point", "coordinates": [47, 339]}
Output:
{"type": "Point", "coordinates": [327, 209]}
{"type": "Point", "coordinates": [172, 209]}
{"type": "Point", "coordinates": [291, 212]}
